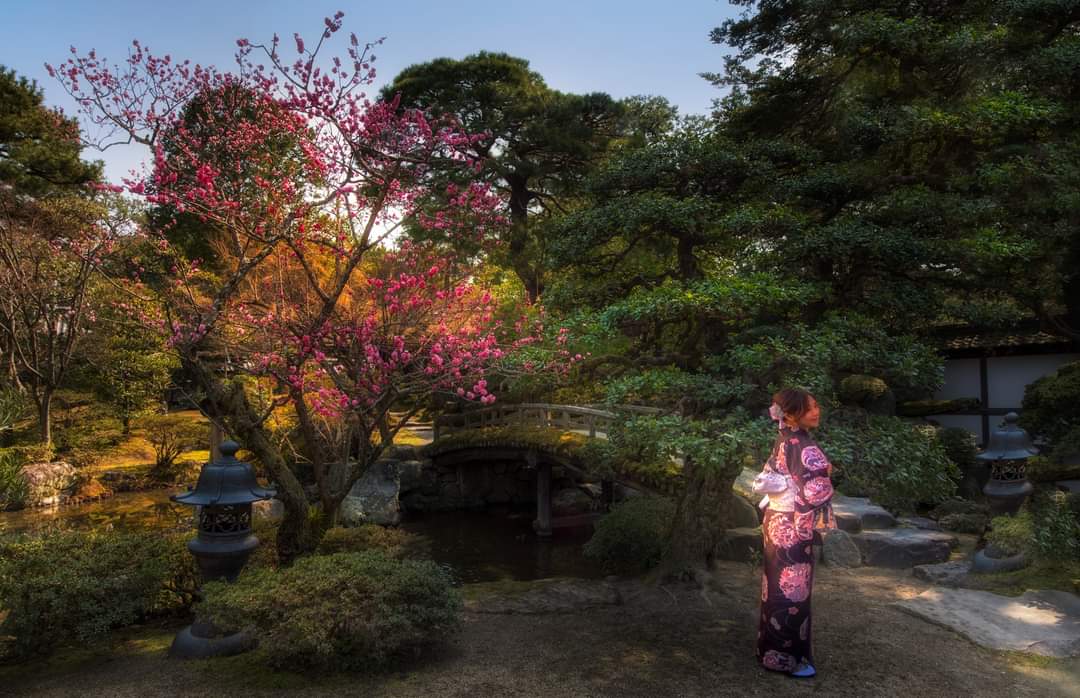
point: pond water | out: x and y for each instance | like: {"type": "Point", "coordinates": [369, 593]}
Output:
{"type": "Point", "coordinates": [484, 546]}
{"type": "Point", "coordinates": [126, 510]}
{"type": "Point", "coordinates": [481, 546]}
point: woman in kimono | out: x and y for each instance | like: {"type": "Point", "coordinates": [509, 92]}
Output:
{"type": "Point", "coordinates": [795, 511]}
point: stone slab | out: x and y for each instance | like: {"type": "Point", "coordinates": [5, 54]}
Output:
{"type": "Point", "coordinates": [949, 574]}
{"type": "Point", "coordinates": [1037, 622]}
{"type": "Point", "coordinates": [919, 522]}
{"type": "Point", "coordinates": [900, 548]}
{"type": "Point", "coordinates": [860, 509]}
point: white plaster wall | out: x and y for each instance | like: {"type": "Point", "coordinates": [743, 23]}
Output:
{"type": "Point", "coordinates": [1009, 375]}
{"type": "Point", "coordinates": [971, 422]}
{"type": "Point", "coordinates": [961, 379]}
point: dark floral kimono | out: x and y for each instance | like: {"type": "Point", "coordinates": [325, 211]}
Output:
{"type": "Point", "coordinates": [786, 584]}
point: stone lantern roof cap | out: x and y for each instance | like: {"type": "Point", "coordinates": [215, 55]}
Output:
{"type": "Point", "coordinates": [226, 481]}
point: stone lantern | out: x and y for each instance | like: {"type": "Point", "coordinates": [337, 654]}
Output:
{"type": "Point", "coordinates": [224, 494]}
{"type": "Point", "coordinates": [1007, 454]}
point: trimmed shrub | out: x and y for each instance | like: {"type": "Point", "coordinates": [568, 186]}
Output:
{"type": "Point", "coordinates": [392, 542]}
{"type": "Point", "coordinates": [959, 445]}
{"type": "Point", "coordinates": [1013, 534]}
{"type": "Point", "coordinates": [342, 611]}
{"type": "Point", "coordinates": [1050, 407]}
{"type": "Point", "coordinates": [632, 537]}
{"type": "Point", "coordinates": [75, 585]}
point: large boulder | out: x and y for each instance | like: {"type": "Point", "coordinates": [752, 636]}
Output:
{"type": "Point", "coordinates": [839, 550]}
{"type": "Point", "coordinates": [374, 497]}
{"type": "Point", "coordinates": [46, 482]}
{"type": "Point", "coordinates": [901, 548]}
{"type": "Point", "coordinates": [743, 513]}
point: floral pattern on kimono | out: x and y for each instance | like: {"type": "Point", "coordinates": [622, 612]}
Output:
{"type": "Point", "coordinates": [784, 635]}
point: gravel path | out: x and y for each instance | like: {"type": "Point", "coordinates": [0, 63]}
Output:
{"type": "Point", "coordinates": [661, 641]}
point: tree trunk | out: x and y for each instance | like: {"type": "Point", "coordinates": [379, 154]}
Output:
{"type": "Point", "coordinates": [229, 402]}
{"type": "Point", "coordinates": [528, 272]}
{"type": "Point", "coordinates": [702, 515]}
{"type": "Point", "coordinates": [45, 416]}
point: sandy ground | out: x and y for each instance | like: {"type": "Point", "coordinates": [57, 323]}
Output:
{"type": "Point", "coordinates": [674, 640]}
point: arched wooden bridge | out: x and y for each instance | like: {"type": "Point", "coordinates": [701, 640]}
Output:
{"type": "Point", "coordinates": [587, 421]}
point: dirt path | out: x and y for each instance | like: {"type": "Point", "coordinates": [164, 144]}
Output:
{"type": "Point", "coordinates": [662, 641]}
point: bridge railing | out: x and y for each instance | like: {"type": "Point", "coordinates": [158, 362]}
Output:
{"type": "Point", "coordinates": [534, 414]}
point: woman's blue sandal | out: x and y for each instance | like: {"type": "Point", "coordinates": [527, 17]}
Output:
{"type": "Point", "coordinates": [804, 671]}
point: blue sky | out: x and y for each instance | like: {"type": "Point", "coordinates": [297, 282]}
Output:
{"type": "Point", "coordinates": [623, 48]}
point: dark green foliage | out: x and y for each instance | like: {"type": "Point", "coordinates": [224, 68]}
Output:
{"type": "Point", "coordinates": [1046, 529]}
{"type": "Point", "coordinates": [1012, 534]}
{"type": "Point", "coordinates": [1056, 534]}
{"type": "Point", "coordinates": [13, 486]}
{"type": "Point", "coordinates": [13, 407]}
{"type": "Point", "coordinates": [39, 147]}
{"type": "Point", "coordinates": [392, 542]}
{"type": "Point", "coordinates": [859, 389]}
{"type": "Point", "coordinates": [351, 611]}
{"type": "Point", "coordinates": [126, 365]}
{"type": "Point", "coordinates": [913, 158]}
{"type": "Point", "coordinates": [818, 357]}
{"type": "Point", "coordinates": [897, 464]}
{"type": "Point", "coordinates": [74, 586]}
{"type": "Point", "coordinates": [1051, 406]}
{"type": "Point", "coordinates": [964, 523]}
{"type": "Point", "coordinates": [959, 445]}
{"type": "Point", "coordinates": [632, 537]}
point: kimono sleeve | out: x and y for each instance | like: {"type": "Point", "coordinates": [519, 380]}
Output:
{"type": "Point", "coordinates": [810, 470]}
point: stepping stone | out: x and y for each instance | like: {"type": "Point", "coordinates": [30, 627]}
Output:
{"type": "Point", "coordinates": [1037, 622]}
{"type": "Point", "coordinates": [919, 522]}
{"type": "Point", "coordinates": [947, 574]}
{"type": "Point", "coordinates": [854, 514]}
{"type": "Point", "coordinates": [901, 548]}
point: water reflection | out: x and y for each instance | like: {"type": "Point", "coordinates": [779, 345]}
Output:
{"type": "Point", "coordinates": [496, 545]}
{"type": "Point", "coordinates": [127, 510]}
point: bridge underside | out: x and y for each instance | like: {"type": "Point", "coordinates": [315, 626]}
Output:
{"type": "Point", "coordinates": [542, 462]}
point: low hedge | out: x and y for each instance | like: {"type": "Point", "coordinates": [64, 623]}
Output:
{"type": "Point", "coordinates": [75, 585]}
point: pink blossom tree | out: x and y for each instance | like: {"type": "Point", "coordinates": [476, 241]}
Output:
{"type": "Point", "coordinates": [302, 182]}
